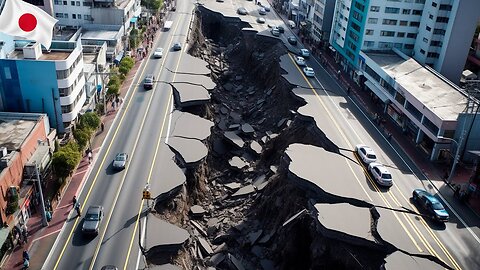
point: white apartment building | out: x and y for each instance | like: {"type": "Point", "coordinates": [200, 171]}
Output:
{"type": "Point", "coordinates": [322, 19]}
{"type": "Point", "coordinates": [437, 33]}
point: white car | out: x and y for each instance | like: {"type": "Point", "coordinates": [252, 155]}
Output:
{"type": "Point", "coordinates": [309, 72]}
{"type": "Point", "coordinates": [381, 174]}
{"type": "Point", "coordinates": [300, 60]}
{"type": "Point", "coordinates": [304, 52]}
{"type": "Point", "coordinates": [158, 53]}
{"type": "Point", "coordinates": [365, 153]}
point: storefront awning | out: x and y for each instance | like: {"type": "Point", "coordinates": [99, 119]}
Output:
{"type": "Point", "coordinates": [133, 19]}
{"type": "Point", "coordinates": [377, 92]}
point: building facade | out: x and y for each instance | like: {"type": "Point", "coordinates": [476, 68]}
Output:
{"type": "Point", "coordinates": [436, 33]}
{"type": "Point", "coordinates": [322, 19]}
{"type": "Point", "coordinates": [44, 82]}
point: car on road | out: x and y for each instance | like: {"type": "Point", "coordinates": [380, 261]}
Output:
{"type": "Point", "coordinates": [158, 53]}
{"type": "Point", "coordinates": [431, 205]}
{"type": "Point", "coordinates": [92, 220]}
{"type": "Point", "coordinates": [309, 72]}
{"type": "Point", "coordinates": [109, 267]}
{"type": "Point", "coordinates": [281, 29]}
{"type": "Point", "coordinates": [275, 32]}
{"type": "Point", "coordinates": [120, 161]}
{"type": "Point", "coordinates": [148, 82]}
{"type": "Point", "coordinates": [381, 174]}
{"type": "Point", "coordinates": [262, 11]}
{"type": "Point", "coordinates": [366, 154]}
{"type": "Point", "coordinates": [292, 40]}
{"type": "Point", "coordinates": [267, 8]}
{"type": "Point", "coordinates": [242, 11]}
{"type": "Point", "coordinates": [260, 20]}
{"type": "Point", "coordinates": [300, 60]}
{"type": "Point", "coordinates": [305, 53]}
{"type": "Point", "coordinates": [177, 46]}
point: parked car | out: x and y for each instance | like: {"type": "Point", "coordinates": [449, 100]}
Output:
{"type": "Point", "coordinates": [292, 40]}
{"type": "Point", "coordinates": [300, 60]}
{"type": "Point", "coordinates": [148, 82]}
{"type": "Point", "coordinates": [242, 11]}
{"type": "Point", "coordinates": [381, 174]}
{"type": "Point", "coordinates": [309, 72]}
{"type": "Point", "coordinates": [93, 217]}
{"type": "Point", "coordinates": [366, 154]}
{"type": "Point", "coordinates": [431, 205]}
{"type": "Point", "coordinates": [177, 46]}
{"type": "Point", "coordinates": [281, 29]}
{"type": "Point", "coordinates": [120, 161]}
{"type": "Point", "coordinates": [260, 20]}
{"type": "Point", "coordinates": [275, 32]}
{"type": "Point", "coordinates": [262, 11]}
{"type": "Point", "coordinates": [267, 8]}
{"type": "Point", "coordinates": [305, 53]}
{"type": "Point", "coordinates": [158, 53]}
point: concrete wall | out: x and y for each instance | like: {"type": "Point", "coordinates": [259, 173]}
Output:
{"type": "Point", "coordinates": [12, 175]}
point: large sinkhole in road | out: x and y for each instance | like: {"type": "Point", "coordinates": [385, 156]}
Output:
{"type": "Point", "coordinates": [242, 204]}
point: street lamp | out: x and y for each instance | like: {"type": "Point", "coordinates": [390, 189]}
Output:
{"type": "Point", "coordinates": [455, 158]}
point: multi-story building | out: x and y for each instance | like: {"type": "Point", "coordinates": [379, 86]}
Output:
{"type": "Point", "coordinates": [51, 82]}
{"type": "Point", "coordinates": [322, 19]}
{"type": "Point", "coordinates": [436, 33]}
{"type": "Point", "coordinates": [427, 106]}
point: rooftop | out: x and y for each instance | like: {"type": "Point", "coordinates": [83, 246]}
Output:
{"type": "Point", "coordinates": [51, 56]}
{"type": "Point", "coordinates": [100, 34]}
{"type": "Point", "coordinates": [14, 131]}
{"type": "Point", "coordinates": [436, 93]}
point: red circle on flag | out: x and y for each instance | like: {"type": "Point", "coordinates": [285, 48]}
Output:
{"type": "Point", "coordinates": [27, 22]}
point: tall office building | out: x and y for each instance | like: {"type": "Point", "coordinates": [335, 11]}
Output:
{"type": "Point", "coordinates": [436, 33]}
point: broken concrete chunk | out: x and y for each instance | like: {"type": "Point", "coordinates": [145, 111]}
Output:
{"type": "Point", "coordinates": [238, 163]}
{"type": "Point", "coordinates": [289, 122]}
{"type": "Point", "coordinates": [220, 248]}
{"type": "Point", "coordinates": [234, 126]}
{"type": "Point", "coordinates": [217, 259]}
{"type": "Point", "coordinates": [197, 211]}
{"type": "Point", "coordinates": [247, 128]}
{"type": "Point", "coordinates": [273, 168]}
{"type": "Point", "coordinates": [199, 228]}
{"type": "Point", "coordinates": [176, 236]}
{"type": "Point", "coordinates": [233, 186]}
{"type": "Point", "coordinates": [259, 180]}
{"type": "Point", "coordinates": [264, 139]}
{"type": "Point", "coordinates": [269, 92]}
{"type": "Point", "coordinates": [236, 118]}
{"type": "Point", "coordinates": [260, 101]}
{"type": "Point", "coordinates": [223, 110]}
{"type": "Point", "coordinates": [212, 226]}
{"type": "Point", "coordinates": [189, 151]}
{"type": "Point", "coordinates": [304, 211]}
{"type": "Point", "coordinates": [246, 190]}
{"type": "Point", "coordinates": [234, 138]}
{"type": "Point", "coordinates": [262, 121]}
{"type": "Point", "coordinates": [266, 237]}
{"type": "Point", "coordinates": [253, 236]}
{"type": "Point", "coordinates": [235, 262]}
{"type": "Point", "coordinates": [222, 125]}
{"type": "Point", "coordinates": [281, 122]}
{"type": "Point", "coordinates": [228, 86]}
{"type": "Point", "coordinates": [205, 246]}
{"type": "Point", "coordinates": [256, 147]}
{"type": "Point", "coordinates": [262, 185]}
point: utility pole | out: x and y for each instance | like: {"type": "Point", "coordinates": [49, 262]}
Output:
{"type": "Point", "coordinates": [39, 184]}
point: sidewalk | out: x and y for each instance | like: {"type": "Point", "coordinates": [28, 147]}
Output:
{"type": "Point", "coordinates": [432, 171]}
{"type": "Point", "coordinates": [41, 239]}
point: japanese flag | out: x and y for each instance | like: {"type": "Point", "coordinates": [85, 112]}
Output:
{"type": "Point", "coordinates": [22, 19]}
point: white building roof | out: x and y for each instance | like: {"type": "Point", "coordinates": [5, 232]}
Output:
{"type": "Point", "coordinates": [434, 92]}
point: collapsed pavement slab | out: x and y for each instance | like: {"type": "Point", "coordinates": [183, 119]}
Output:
{"type": "Point", "coordinates": [191, 151]}
{"type": "Point", "coordinates": [305, 171]}
{"type": "Point", "coordinates": [189, 125]}
{"type": "Point", "coordinates": [287, 63]}
{"type": "Point", "coordinates": [400, 261]}
{"type": "Point", "coordinates": [233, 138]}
{"type": "Point", "coordinates": [186, 94]}
{"type": "Point", "coordinates": [172, 177]}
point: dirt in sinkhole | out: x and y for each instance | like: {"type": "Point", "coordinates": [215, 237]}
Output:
{"type": "Point", "coordinates": [250, 90]}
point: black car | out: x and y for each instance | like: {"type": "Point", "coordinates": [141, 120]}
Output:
{"type": "Point", "coordinates": [148, 82]}
{"type": "Point", "coordinates": [292, 40]}
{"type": "Point", "coordinates": [431, 205]}
{"type": "Point", "coordinates": [281, 29]}
{"type": "Point", "coordinates": [93, 217]}
{"type": "Point", "coordinates": [242, 11]}
{"type": "Point", "coordinates": [177, 46]}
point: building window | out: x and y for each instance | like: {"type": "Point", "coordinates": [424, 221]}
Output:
{"type": "Point", "coordinates": [359, 6]}
{"type": "Point", "coordinates": [438, 31]}
{"type": "Point", "coordinates": [411, 35]}
{"type": "Point", "coordinates": [87, 17]}
{"type": "Point", "coordinates": [353, 36]}
{"type": "Point", "coordinates": [428, 28]}
{"type": "Point", "coordinates": [65, 3]}
{"type": "Point", "coordinates": [79, 16]}
{"type": "Point", "coordinates": [385, 45]}
{"type": "Point", "coordinates": [369, 43]}
{"type": "Point", "coordinates": [59, 15]}
{"type": "Point", "coordinates": [408, 46]}
{"type": "Point", "coordinates": [369, 32]}
{"type": "Point", "coordinates": [387, 33]}
{"type": "Point", "coordinates": [436, 43]}
{"type": "Point", "coordinates": [357, 15]}
{"type": "Point", "coordinates": [8, 74]}
{"type": "Point", "coordinates": [87, 4]}
{"type": "Point", "coordinates": [355, 26]}
{"type": "Point", "coordinates": [415, 24]}
{"type": "Point", "coordinates": [442, 19]}
{"type": "Point", "coordinates": [430, 126]}
{"type": "Point", "coordinates": [400, 98]}
{"type": "Point", "coordinates": [406, 11]}
{"type": "Point", "coordinates": [389, 22]}
{"type": "Point", "coordinates": [422, 51]}
{"type": "Point", "coordinates": [411, 109]}
{"type": "Point", "coordinates": [77, 3]}
{"type": "Point", "coordinates": [74, 16]}
{"type": "Point", "coordinates": [446, 7]}
{"type": "Point", "coordinates": [350, 55]}
{"type": "Point", "coordinates": [403, 23]}
{"type": "Point", "coordinates": [372, 73]}
{"type": "Point", "coordinates": [425, 40]}
{"type": "Point", "coordinates": [398, 45]}
{"type": "Point", "coordinates": [417, 12]}
{"type": "Point", "coordinates": [400, 34]}
{"type": "Point", "coordinates": [72, 3]}
{"type": "Point", "coordinates": [372, 20]}
{"type": "Point", "coordinates": [434, 4]}
{"type": "Point", "coordinates": [433, 55]}
{"type": "Point", "coordinates": [375, 8]}
{"type": "Point", "coordinates": [65, 15]}
{"type": "Point", "coordinates": [57, 2]}
{"type": "Point", "coordinates": [392, 10]}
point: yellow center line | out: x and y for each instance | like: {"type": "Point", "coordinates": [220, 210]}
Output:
{"type": "Point", "coordinates": [159, 140]}
{"type": "Point", "coordinates": [128, 103]}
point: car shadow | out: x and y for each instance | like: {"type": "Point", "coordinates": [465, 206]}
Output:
{"type": "Point", "coordinates": [79, 238]}
{"type": "Point", "coordinates": [431, 222]}
{"type": "Point", "coordinates": [110, 170]}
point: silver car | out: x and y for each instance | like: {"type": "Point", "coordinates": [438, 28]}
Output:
{"type": "Point", "coordinates": [120, 161]}
{"type": "Point", "coordinates": [365, 153]}
{"type": "Point", "coordinates": [93, 217]}
{"type": "Point", "coordinates": [381, 174]}
{"type": "Point", "coordinates": [309, 72]}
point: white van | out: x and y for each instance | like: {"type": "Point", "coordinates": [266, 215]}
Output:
{"type": "Point", "coordinates": [291, 24]}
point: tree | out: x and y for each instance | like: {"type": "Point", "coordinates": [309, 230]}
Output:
{"type": "Point", "coordinates": [152, 4]}
{"type": "Point", "coordinates": [66, 159]}
{"type": "Point", "coordinates": [113, 85]}
{"type": "Point", "coordinates": [82, 137]}
{"type": "Point", "coordinates": [89, 120]}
